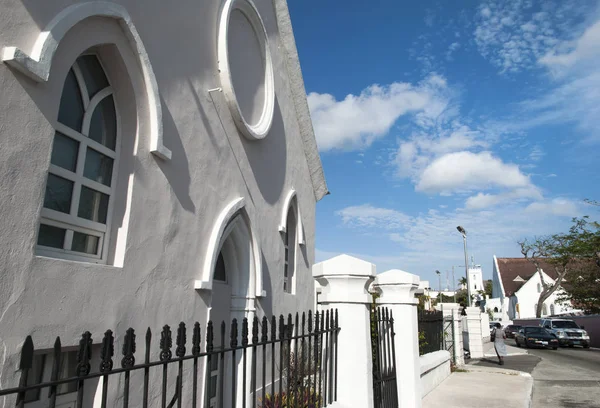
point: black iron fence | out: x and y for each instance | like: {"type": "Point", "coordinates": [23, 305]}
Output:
{"type": "Point", "coordinates": [431, 331]}
{"type": "Point", "coordinates": [273, 366]}
{"type": "Point", "coordinates": [385, 391]}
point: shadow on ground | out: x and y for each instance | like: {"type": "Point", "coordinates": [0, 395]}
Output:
{"type": "Point", "coordinates": [524, 363]}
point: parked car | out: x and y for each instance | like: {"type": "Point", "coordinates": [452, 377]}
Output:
{"type": "Point", "coordinates": [567, 332]}
{"type": "Point", "coordinates": [511, 330]}
{"type": "Point", "coordinates": [535, 336]}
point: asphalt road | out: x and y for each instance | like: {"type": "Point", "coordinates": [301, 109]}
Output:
{"type": "Point", "coordinates": [564, 378]}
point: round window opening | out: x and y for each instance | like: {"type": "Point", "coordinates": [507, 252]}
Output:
{"type": "Point", "coordinates": [245, 68]}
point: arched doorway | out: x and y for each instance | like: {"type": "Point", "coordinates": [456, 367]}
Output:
{"type": "Point", "coordinates": [233, 297]}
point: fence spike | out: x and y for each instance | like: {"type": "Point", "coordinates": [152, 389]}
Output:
{"type": "Point", "coordinates": [55, 367]}
{"type": "Point", "coordinates": [265, 330]}
{"type": "Point", "coordinates": [255, 330]}
{"type": "Point", "coordinates": [128, 359]}
{"type": "Point", "coordinates": [196, 339]}
{"type": "Point", "coordinates": [245, 332]}
{"type": "Point", "coordinates": [166, 342]}
{"type": "Point", "coordinates": [290, 330]}
{"type": "Point", "coordinates": [26, 354]}
{"type": "Point", "coordinates": [234, 334]}
{"type": "Point", "coordinates": [107, 352]}
{"type": "Point", "coordinates": [327, 320]}
{"type": "Point", "coordinates": [281, 327]}
{"type": "Point", "coordinates": [84, 355]}
{"type": "Point", "coordinates": [273, 328]}
{"type": "Point", "coordinates": [310, 322]}
{"type": "Point", "coordinates": [181, 340]}
{"type": "Point", "coordinates": [303, 321]}
{"type": "Point", "coordinates": [336, 320]}
{"type": "Point", "coordinates": [209, 336]}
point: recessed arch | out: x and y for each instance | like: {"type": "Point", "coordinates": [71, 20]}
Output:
{"type": "Point", "coordinates": [291, 199]}
{"type": "Point", "coordinates": [233, 213]}
{"type": "Point", "coordinates": [36, 65]}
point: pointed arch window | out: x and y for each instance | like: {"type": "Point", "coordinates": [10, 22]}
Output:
{"type": "Point", "coordinates": [80, 186]}
{"type": "Point", "coordinates": [289, 243]}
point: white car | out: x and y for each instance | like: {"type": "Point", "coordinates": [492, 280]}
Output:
{"type": "Point", "coordinates": [567, 332]}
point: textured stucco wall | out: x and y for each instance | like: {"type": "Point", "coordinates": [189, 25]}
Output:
{"type": "Point", "coordinates": [173, 204]}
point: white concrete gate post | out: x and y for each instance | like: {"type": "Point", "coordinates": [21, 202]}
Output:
{"type": "Point", "coordinates": [345, 281]}
{"type": "Point", "coordinates": [397, 289]}
{"type": "Point", "coordinates": [475, 335]}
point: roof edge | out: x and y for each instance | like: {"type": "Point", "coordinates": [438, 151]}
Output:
{"type": "Point", "coordinates": [292, 62]}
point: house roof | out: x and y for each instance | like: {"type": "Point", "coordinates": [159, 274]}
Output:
{"type": "Point", "coordinates": [515, 272]}
{"type": "Point", "coordinates": [299, 97]}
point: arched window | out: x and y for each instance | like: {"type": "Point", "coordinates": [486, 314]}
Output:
{"type": "Point", "coordinates": [495, 310]}
{"type": "Point", "coordinates": [544, 310]}
{"type": "Point", "coordinates": [81, 179]}
{"type": "Point", "coordinates": [289, 243]}
{"type": "Point", "coordinates": [552, 309]}
{"type": "Point", "coordinates": [539, 288]}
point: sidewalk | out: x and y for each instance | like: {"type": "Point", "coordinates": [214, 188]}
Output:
{"type": "Point", "coordinates": [482, 387]}
{"type": "Point", "coordinates": [486, 384]}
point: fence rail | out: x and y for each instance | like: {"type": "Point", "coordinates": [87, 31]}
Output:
{"type": "Point", "coordinates": [431, 331]}
{"type": "Point", "coordinates": [309, 371]}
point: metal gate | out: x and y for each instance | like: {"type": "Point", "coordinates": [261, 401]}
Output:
{"type": "Point", "coordinates": [385, 392]}
{"type": "Point", "coordinates": [449, 344]}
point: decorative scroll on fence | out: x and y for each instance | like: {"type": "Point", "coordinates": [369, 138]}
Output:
{"type": "Point", "coordinates": [281, 367]}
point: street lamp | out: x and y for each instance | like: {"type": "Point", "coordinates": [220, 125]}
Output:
{"type": "Point", "coordinates": [439, 284]}
{"type": "Point", "coordinates": [464, 235]}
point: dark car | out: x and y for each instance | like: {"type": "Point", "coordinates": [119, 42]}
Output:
{"type": "Point", "coordinates": [535, 336]}
{"type": "Point", "coordinates": [511, 330]}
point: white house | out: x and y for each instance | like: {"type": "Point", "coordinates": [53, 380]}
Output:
{"type": "Point", "coordinates": [158, 165]}
{"type": "Point", "coordinates": [517, 287]}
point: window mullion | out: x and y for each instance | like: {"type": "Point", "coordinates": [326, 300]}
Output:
{"type": "Point", "coordinates": [78, 178]}
{"type": "Point", "coordinates": [82, 88]}
{"type": "Point", "coordinates": [68, 239]}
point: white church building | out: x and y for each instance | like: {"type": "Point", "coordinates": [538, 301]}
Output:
{"type": "Point", "coordinates": [158, 164]}
{"type": "Point", "coordinates": [517, 287]}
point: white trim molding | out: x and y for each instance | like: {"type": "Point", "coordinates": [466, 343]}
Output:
{"type": "Point", "coordinates": [234, 209]}
{"type": "Point", "coordinates": [36, 65]}
{"type": "Point", "coordinates": [261, 128]}
{"type": "Point", "coordinates": [283, 221]}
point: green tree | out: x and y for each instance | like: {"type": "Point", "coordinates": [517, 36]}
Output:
{"type": "Point", "coordinates": [488, 285]}
{"type": "Point", "coordinates": [568, 253]}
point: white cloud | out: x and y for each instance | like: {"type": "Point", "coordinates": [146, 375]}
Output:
{"type": "Point", "coordinates": [483, 200]}
{"type": "Point", "coordinates": [569, 53]}
{"type": "Point", "coordinates": [558, 206]}
{"type": "Point", "coordinates": [512, 36]}
{"type": "Point", "coordinates": [451, 49]}
{"type": "Point", "coordinates": [434, 233]}
{"type": "Point", "coordinates": [373, 217]}
{"type": "Point", "coordinates": [469, 171]}
{"type": "Point", "coordinates": [358, 120]}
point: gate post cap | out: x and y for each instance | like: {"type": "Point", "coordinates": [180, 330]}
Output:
{"type": "Point", "coordinates": [473, 311]}
{"type": "Point", "coordinates": [396, 287]}
{"type": "Point", "coordinates": [344, 279]}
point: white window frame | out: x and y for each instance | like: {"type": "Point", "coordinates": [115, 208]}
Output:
{"type": "Point", "coordinates": [71, 222]}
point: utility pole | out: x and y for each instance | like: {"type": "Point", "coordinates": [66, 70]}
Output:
{"type": "Point", "coordinates": [464, 235]}
{"type": "Point", "coordinates": [439, 284]}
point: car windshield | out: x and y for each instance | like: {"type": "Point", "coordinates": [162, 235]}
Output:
{"type": "Point", "coordinates": [564, 324]}
{"type": "Point", "coordinates": [535, 330]}
{"type": "Point", "coordinates": [514, 327]}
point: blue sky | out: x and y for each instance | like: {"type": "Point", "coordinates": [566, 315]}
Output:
{"type": "Point", "coordinates": [484, 114]}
